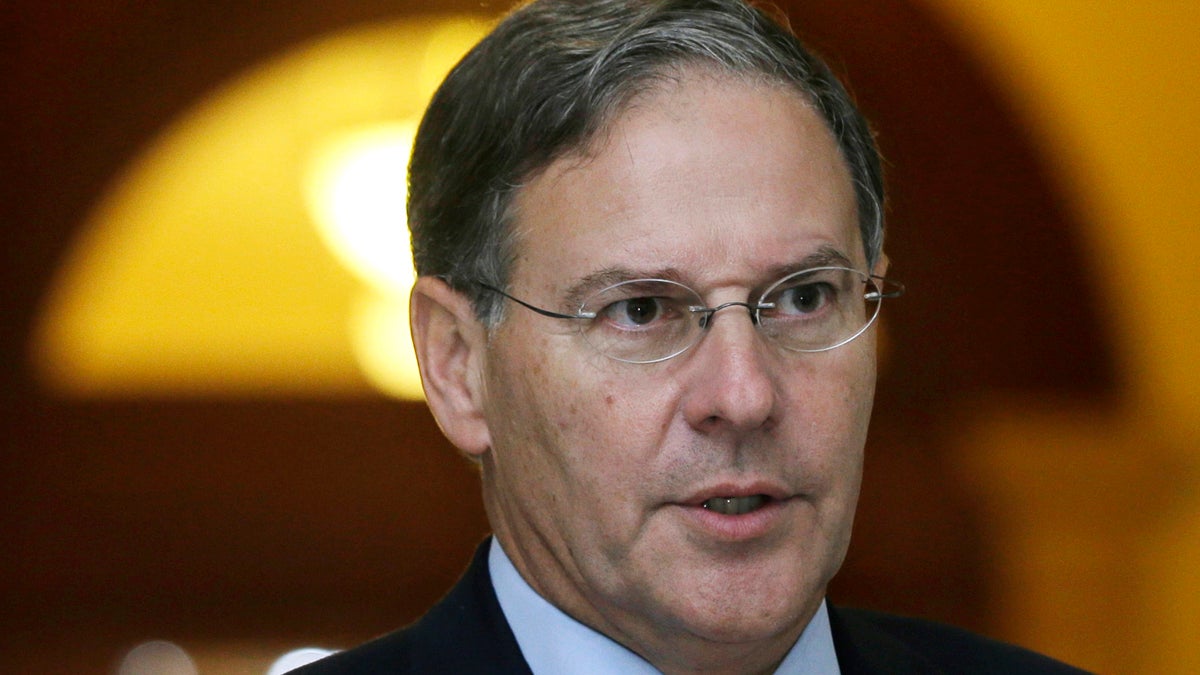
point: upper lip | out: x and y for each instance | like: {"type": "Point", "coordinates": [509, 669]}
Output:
{"type": "Point", "coordinates": [770, 489]}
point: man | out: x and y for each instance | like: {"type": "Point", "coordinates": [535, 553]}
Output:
{"type": "Point", "coordinates": [648, 236]}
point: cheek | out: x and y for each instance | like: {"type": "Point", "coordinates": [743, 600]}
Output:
{"type": "Point", "coordinates": [552, 414]}
{"type": "Point", "coordinates": [832, 404]}
{"type": "Point", "coordinates": [858, 401]}
{"type": "Point", "coordinates": [856, 372]}
{"type": "Point", "coordinates": [841, 383]}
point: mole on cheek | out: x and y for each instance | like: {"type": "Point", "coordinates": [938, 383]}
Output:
{"type": "Point", "coordinates": [608, 399]}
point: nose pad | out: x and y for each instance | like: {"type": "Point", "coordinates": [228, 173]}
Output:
{"type": "Point", "coordinates": [709, 314]}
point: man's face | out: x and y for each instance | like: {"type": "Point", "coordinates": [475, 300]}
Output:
{"type": "Point", "coordinates": [597, 469]}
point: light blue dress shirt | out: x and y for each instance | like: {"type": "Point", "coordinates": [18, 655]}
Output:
{"type": "Point", "coordinates": [553, 643]}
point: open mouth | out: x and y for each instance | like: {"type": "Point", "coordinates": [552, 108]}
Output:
{"type": "Point", "coordinates": [735, 506]}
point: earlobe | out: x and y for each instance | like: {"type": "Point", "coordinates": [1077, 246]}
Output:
{"type": "Point", "coordinates": [450, 343]}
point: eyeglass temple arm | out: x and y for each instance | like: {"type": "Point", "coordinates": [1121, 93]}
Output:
{"type": "Point", "coordinates": [887, 288]}
{"type": "Point", "coordinates": [539, 310]}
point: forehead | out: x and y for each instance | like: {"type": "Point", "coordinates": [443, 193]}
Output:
{"type": "Point", "coordinates": [714, 176]}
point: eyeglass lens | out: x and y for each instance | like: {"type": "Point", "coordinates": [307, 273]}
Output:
{"type": "Point", "coordinates": [648, 320]}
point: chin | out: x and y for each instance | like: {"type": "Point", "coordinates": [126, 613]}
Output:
{"type": "Point", "coordinates": [744, 616]}
{"type": "Point", "coordinates": [747, 630]}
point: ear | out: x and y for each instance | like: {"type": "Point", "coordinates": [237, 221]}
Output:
{"type": "Point", "coordinates": [881, 265]}
{"type": "Point", "coordinates": [883, 345]}
{"type": "Point", "coordinates": [450, 344]}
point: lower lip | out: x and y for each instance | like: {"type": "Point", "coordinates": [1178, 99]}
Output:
{"type": "Point", "coordinates": [736, 528]}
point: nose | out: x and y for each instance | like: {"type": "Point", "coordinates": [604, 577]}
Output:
{"type": "Point", "coordinates": [731, 384]}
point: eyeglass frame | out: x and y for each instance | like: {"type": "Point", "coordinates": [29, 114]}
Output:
{"type": "Point", "coordinates": [885, 288]}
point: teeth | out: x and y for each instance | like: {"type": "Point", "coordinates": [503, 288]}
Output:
{"type": "Point", "coordinates": [735, 506]}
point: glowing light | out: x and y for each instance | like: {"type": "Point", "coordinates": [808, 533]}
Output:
{"type": "Point", "coordinates": [296, 658]}
{"type": "Point", "coordinates": [356, 191]}
{"type": "Point", "coordinates": [200, 272]}
{"type": "Point", "coordinates": [383, 345]}
{"type": "Point", "coordinates": [157, 658]}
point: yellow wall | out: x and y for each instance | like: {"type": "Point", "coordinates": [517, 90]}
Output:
{"type": "Point", "coordinates": [1098, 511]}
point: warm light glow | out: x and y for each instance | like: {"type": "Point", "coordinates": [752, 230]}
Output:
{"type": "Point", "coordinates": [356, 191]}
{"type": "Point", "coordinates": [157, 658]}
{"type": "Point", "coordinates": [383, 345]}
{"type": "Point", "coordinates": [201, 272]}
{"type": "Point", "coordinates": [296, 658]}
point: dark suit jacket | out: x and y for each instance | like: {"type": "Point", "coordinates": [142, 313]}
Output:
{"type": "Point", "coordinates": [467, 633]}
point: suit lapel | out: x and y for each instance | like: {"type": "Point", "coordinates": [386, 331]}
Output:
{"type": "Point", "coordinates": [865, 649]}
{"type": "Point", "coordinates": [467, 631]}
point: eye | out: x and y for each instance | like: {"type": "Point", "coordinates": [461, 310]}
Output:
{"type": "Point", "coordinates": [803, 298]}
{"type": "Point", "coordinates": [635, 313]}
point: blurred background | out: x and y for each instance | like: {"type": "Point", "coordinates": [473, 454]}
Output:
{"type": "Point", "coordinates": [210, 434]}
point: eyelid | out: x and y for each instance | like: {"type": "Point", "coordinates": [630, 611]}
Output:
{"type": "Point", "coordinates": [587, 287]}
{"type": "Point", "coordinates": [611, 312]}
{"type": "Point", "coordinates": [798, 278]}
{"type": "Point", "coordinates": [662, 291]}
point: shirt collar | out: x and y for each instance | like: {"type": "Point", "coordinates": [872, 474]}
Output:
{"type": "Point", "coordinates": [577, 649]}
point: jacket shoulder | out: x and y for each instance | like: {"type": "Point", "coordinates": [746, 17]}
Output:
{"type": "Point", "coordinates": [466, 632]}
{"type": "Point", "coordinates": [871, 642]}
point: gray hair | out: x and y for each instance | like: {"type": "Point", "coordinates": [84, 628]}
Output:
{"type": "Point", "coordinates": [550, 77]}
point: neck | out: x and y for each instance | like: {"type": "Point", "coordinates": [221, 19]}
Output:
{"type": "Point", "coordinates": [671, 649]}
{"type": "Point", "coordinates": [685, 654]}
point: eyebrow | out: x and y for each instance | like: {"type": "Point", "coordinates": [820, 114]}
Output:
{"type": "Point", "coordinates": [580, 290]}
{"type": "Point", "coordinates": [824, 256]}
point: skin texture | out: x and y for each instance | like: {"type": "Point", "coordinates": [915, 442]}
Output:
{"type": "Point", "coordinates": [593, 470]}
